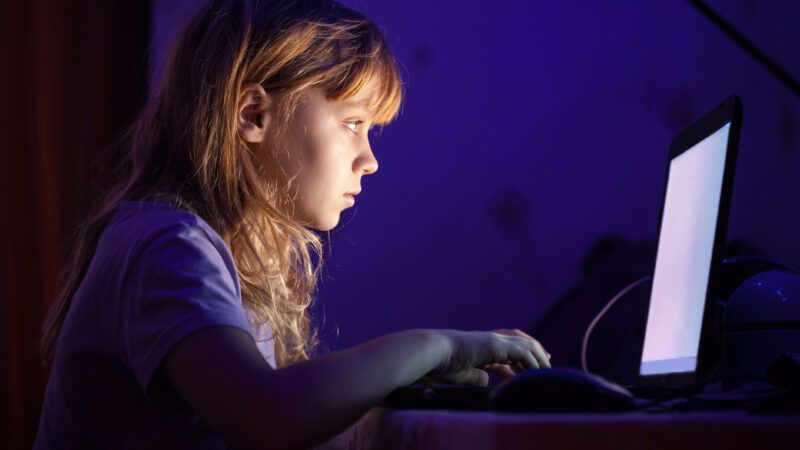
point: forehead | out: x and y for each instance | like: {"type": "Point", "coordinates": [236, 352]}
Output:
{"type": "Point", "coordinates": [366, 98]}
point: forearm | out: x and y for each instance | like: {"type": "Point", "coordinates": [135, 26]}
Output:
{"type": "Point", "coordinates": [223, 376]}
{"type": "Point", "coordinates": [340, 387]}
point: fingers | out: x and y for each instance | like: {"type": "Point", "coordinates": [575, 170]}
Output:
{"type": "Point", "coordinates": [477, 377]}
{"type": "Point", "coordinates": [514, 332]}
{"type": "Point", "coordinates": [541, 355]}
{"type": "Point", "coordinates": [504, 370]}
{"type": "Point", "coordinates": [527, 352]}
{"type": "Point", "coordinates": [474, 376]}
{"type": "Point", "coordinates": [528, 359]}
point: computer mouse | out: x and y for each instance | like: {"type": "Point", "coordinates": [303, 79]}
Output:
{"type": "Point", "coordinates": [559, 390]}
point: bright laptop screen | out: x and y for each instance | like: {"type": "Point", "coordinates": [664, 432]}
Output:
{"type": "Point", "coordinates": [685, 245]}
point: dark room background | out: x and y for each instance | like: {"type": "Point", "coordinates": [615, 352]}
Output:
{"type": "Point", "coordinates": [530, 132]}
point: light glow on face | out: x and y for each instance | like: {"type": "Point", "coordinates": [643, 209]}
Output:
{"type": "Point", "coordinates": [328, 153]}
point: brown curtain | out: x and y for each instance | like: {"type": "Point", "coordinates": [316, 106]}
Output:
{"type": "Point", "coordinates": [72, 76]}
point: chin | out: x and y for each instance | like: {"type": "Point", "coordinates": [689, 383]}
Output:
{"type": "Point", "coordinates": [325, 225]}
{"type": "Point", "coordinates": [317, 221]}
{"type": "Point", "coordinates": [323, 228]}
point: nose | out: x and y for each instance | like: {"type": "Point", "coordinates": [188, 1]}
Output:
{"type": "Point", "coordinates": [366, 163]}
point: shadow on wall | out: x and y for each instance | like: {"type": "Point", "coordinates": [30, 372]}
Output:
{"type": "Point", "coordinates": [512, 215]}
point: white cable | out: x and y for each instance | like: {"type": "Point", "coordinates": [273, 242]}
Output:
{"type": "Point", "coordinates": [600, 315]}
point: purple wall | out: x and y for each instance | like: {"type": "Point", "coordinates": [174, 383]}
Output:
{"type": "Point", "coordinates": [528, 132]}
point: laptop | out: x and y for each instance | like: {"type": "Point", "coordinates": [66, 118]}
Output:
{"type": "Point", "coordinates": [677, 346]}
{"type": "Point", "coordinates": [678, 341]}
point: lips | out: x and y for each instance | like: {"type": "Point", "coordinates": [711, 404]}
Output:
{"type": "Point", "coordinates": [353, 193]}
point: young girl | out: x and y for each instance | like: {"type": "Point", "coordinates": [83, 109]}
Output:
{"type": "Point", "coordinates": [183, 318]}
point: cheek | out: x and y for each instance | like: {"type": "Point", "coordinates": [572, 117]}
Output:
{"type": "Point", "coordinates": [325, 165]}
{"type": "Point", "coordinates": [319, 154]}
{"type": "Point", "coordinates": [319, 181]}
{"type": "Point", "coordinates": [315, 182]}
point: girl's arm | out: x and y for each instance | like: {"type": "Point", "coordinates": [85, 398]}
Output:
{"type": "Point", "coordinates": [222, 375]}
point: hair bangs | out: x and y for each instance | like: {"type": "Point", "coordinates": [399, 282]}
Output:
{"type": "Point", "coordinates": [371, 60]}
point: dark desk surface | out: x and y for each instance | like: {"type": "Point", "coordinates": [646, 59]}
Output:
{"type": "Point", "coordinates": [441, 430]}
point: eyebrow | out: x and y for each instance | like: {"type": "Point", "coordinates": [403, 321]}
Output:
{"type": "Point", "coordinates": [362, 104]}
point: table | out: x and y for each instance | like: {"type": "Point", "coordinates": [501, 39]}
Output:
{"type": "Point", "coordinates": [390, 429]}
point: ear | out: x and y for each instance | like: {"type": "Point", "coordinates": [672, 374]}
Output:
{"type": "Point", "coordinates": [253, 112]}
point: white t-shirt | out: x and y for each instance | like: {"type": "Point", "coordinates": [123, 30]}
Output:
{"type": "Point", "coordinates": [158, 274]}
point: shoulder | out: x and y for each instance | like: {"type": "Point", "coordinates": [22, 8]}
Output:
{"type": "Point", "coordinates": [151, 219]}
{"type": "Point", "coordinates": [155, 234]}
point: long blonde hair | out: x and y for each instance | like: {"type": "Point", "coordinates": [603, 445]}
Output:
{"type": "Point", "coordinates": [184, 148]}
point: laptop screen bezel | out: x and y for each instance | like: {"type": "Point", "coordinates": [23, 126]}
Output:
{"type": "Point", "coordinates": [728, 112]}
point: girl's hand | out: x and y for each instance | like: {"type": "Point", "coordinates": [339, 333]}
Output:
{"type": "Point", "coordinates": [469, 353]}
{"type": "Point", "coordinates": [506, 370]}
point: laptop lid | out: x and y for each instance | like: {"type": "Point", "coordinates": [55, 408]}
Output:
{"type": "Point", "coordinates": [691, 235]}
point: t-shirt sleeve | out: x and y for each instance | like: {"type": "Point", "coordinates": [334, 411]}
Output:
{"type": "Point", "coordinates": [179, 283]}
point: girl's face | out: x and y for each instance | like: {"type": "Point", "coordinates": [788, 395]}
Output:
{"type": "Point", "coordinates": [326, 153]}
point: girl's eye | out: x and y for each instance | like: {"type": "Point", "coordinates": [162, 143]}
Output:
{"type": "Point", "coordinates": [353, 125]}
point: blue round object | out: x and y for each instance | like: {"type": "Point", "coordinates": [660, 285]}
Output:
{"type": "Point", "coordinates": [762, 321]}
{"type": "Point", "coordinates": [768, 299]}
